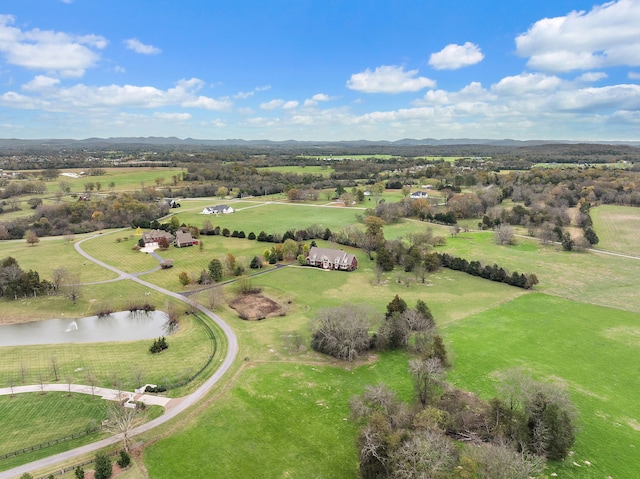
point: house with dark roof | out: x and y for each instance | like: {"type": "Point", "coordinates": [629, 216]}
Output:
{"type": "Point", "coordinates": [216, 210]}
{"type": "Point", "coordinates": [326, 258]}
{"type": "Point", "coordinates": [184, 238]}
{"type": "Point", "coordinates": [418, 194]}
{"type": "Point", "coordinates": [152, 237]}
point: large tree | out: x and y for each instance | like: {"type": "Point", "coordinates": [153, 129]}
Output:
{"type": "Point", "coordinates": [343, 331]}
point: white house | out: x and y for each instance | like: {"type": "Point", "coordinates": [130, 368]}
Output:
{"type": "Point", "coordinates": [418, 194]}
{"type": "Point", "coordinates": [216, 210]}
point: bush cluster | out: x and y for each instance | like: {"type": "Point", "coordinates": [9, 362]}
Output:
{"type": "Point", "coordinates": [158, 345]}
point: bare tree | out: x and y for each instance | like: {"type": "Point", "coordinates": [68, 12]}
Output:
{"type": "Point", "coordinates": [91, 379]}
{"type": "Point", "coordinates": [504, 234]}
{"type": "Point", "coordinates": [427, 454]}
{"type": "Point", "coordinates": [214, 297]}
{"type": "Point", "coordinates": [41, 382]}
{"type": "Point", "coordinates": [11, 383]}
{"type": "Point", "coordinates": [23, 372]}
{"type": "Point", "coordinates": [69, 381]}
{"type": "Point", "coordinates": [428, 375]}
{"type": "Point", "coordinates": [343, 331]}
{"type": "Point", "coordinates": [138, 373]}
{"type": "Point", "coordinates": [173, 318]}
{"type": "Point", "coordinates": [497, 461]}
{"type": "Point", "coordinates": [54, 368]}
{"type": "Point", "coordinates": [121, 420]}
{"type": "Point", "coordinates": [69, 237]}
{"type": "Point", "coordinates": [73, 287]}
{"type": "Point", "coordinates": [58, 276]}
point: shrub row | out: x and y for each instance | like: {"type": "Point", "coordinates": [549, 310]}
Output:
{"type": "Point", "coordinates": [493, 272]}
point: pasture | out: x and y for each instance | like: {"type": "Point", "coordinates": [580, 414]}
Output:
{"type": "Point", "coordinates": [119, 179]}
{"type": "Point", "coordinates": [618, 228]}
{"type": "Point", "coordinates": [275, 217]}
{"type": "Point", "coordinates": [587, 276]}
{"type": "Point", "coordinates": [591, 350]}
{"type": "Point", "coordinates": [278, 419]}
{"type": "Point", "coordinates": [284, 411]}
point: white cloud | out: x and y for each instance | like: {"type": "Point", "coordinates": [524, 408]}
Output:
{"type": "Point", "coordinates": [172, 116]}
{"type": "Point", "coordinates": [455, 56]}
{"type": "Point", "coordinates": [614, 97]}
{"type": "Point", "coordinates": [606, 36]}
{"type": "Point", "coordinates": [634, 75]}
{"type": "Point", "coordinates": [81, 96]}
{"type": "Point", "coordinates": [61, 53]}
{"type": "Point", "coordinates": [315, 99]}
{"type": "Point", "coordinates": [279, 103]}
{"type": "Point", "coordinates": [272, 105]}
{"type": "Point", "coordinates": [388, 79]}
{"type": "Point", "coordinates": [40, 82]}
{"type": "Point", "coordinates": [244, 95]}
{"type": "Point", "coordinates": [139, 47]}
{"type": "Point", "coordinates": [526, 83]}
{"type": "Point", "coordinates": [592, 77]}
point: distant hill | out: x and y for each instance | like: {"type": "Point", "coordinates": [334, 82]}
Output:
{"type": "Point", "coordinates": [14, 143]}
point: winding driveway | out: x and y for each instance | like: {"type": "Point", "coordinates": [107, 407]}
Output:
{"type": "Point", "coordinates": [184, 402]}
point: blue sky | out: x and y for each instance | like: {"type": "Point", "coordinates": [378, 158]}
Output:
{"type": "Point", "coordinates": [320, 70]}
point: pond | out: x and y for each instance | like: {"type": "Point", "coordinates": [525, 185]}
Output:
{"type": "Point", "coordinates": [120, 326]}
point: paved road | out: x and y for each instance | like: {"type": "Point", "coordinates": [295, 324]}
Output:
{"type": "Point", "coordinates": [170, 413]}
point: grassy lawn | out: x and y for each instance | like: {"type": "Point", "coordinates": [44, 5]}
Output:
{"type": "Point", "coordinates": [115, 364]}
{"type": "Point", "coordinates": [27, 420]}
{"type": "Point", "coordinates": [582, 276]}
{"type": "Point", "coordinates": [275, 217]}
{"type": "Point", "coordinates": [279, 420]}
{"type": "Point", "coordinates": [51, 253]}
{"type": "Point", "coordinates": [125, 179]}
{"type": "Point", "coordinates": [618, 228]}
{"type": "Point", "coordinates": [594, 351]}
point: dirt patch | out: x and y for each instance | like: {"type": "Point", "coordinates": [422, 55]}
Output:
{"type": "Point", "coordinates": [254, 307]}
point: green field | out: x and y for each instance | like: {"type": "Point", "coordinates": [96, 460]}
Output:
{"type": "Point", "coordinates": [25, 417]}
{"type": "Point", "coordinates": [593, 351]}
{"type": "Point", "coordinates": [275, 217]}
{"type": "Point", "coordinates": [587, 276]}
{"type": "Point", "coordinates": [283, 412]}
{"type": "Point", "coordinates": [124, 179]}
{"type": "Point", "coordinates": [618, 228]}
{"type": "Point", "coordinates": [278, 421]}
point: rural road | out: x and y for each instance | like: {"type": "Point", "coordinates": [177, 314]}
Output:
{"type": "Point", "coordinates": [183, 404]}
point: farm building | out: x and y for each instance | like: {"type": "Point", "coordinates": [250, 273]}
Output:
{"type": "Point", "coordinates": [331, 259]}
{"type": "Point", "coordinates": [216, 210]}
{"type": "Point", "coordinates": [184, 238]}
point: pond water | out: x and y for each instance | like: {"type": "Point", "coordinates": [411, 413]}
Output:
{"type": "Point", "coordinates": [120, 326]}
